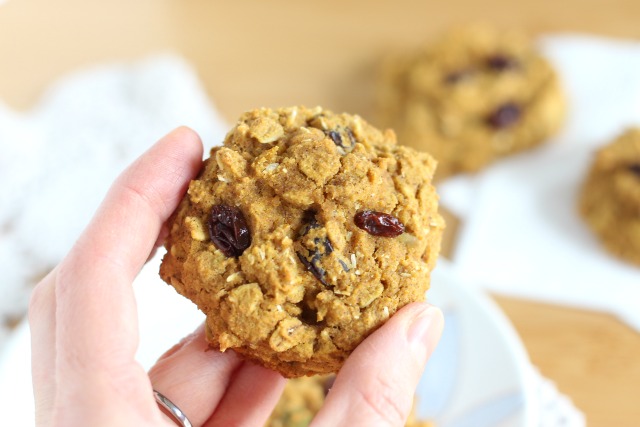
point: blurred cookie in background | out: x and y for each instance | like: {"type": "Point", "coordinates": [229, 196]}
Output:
{"type": "Point", "coordinates": [610, 198]}
{"type": "Point", "coordinates": [302, 399]}
{"type": "Point", "coordinates": [470, 97]}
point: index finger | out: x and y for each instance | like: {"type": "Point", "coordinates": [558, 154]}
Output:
{"type": "Point", "coordinates": [96, 313]}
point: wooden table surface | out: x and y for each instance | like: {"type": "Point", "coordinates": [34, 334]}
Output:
{"type": "Point", "coordinates": [252, 53]}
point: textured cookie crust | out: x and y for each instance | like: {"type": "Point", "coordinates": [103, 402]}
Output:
{"type": "Point", "coordinates": [312, 284]}
{"type": "Point", "coordinates": [470, 97]}
{"type": "Point", "coordinates": [610, 199]}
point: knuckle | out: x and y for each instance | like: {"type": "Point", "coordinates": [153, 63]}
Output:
{"type": "Point", "coordinates": [384, 398]}
{"type": "Point", "coordinates": [64, 279]}
{"type": "Point", "coordinates": [137, 193]}
{"type": "Point", "coordinates": [144, 195]}
{"type": "Point", "coordinates": [38, 299]}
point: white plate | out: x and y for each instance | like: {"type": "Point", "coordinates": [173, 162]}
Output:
{"type": "Point", "coordinates": [477, 377]}
{"type": "Point", "coordinates": [480, 374]}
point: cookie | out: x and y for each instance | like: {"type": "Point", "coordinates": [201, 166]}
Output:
{"type": "Point", "coordinates": [302, 399]}
{"type": "Point", "coordinates": [610, 197]}
{"type": "Point", "coordinates": [302, 234]}
{"type": "Point", "coordinates": [474, 95]}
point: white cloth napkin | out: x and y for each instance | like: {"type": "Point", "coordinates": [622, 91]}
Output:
{"type": "Point", "coordinates": [522, 235]}
{"type": "Point", "coordinates": [58, 160]}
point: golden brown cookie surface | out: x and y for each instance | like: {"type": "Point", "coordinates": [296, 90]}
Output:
{"type": "Point", "coordinates": [610, 199]}
{"type": "Point", "coordinates": [470, 97]}
{"type": "Point", "coordinates": [266, 242]}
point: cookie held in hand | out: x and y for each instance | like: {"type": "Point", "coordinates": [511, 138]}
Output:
{"type": "Point", "coordinates": [302, 234]}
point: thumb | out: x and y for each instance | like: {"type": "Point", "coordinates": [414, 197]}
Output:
{"type": "Point", "coordinates": [377, 383]}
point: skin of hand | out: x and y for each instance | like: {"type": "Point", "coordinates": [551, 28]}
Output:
{"type": "Point", "coordinates": [84, 329]}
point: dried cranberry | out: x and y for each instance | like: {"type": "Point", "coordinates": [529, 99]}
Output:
{"type": "Point", "coordinates": [379, 224]}
{"type": "Point", "coordinates": [228, 230]}
{"type": "Point", "coordinates": [506, 115]}
{"type": "Point", "coordinates": [635, 168]}
{"type": "Point", "coordinates": [502, 63]}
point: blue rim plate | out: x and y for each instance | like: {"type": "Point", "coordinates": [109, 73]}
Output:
{"type": "Point", "coordinates": [480, 374]}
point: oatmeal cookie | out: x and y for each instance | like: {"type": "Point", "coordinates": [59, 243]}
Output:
{"type": "Point", "coordinates": [302, 234]}
{"type": "Point", "coordinates": [610, 199]}
{"type": "Point", "coordinates": [474, 95]}
{"type": "Point", "coordinates": [302, 399]}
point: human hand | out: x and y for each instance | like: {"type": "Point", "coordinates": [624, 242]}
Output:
{"type": "Point", "coordinates": [84, 330]}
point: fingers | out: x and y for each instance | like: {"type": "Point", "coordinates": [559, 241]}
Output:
{"type": "Point", "coordinates": [126, 226]}
{"type": "Point", "coordinates": [213, 388]}
{"type": "Point", "coordinates": [82, 315]}
{"type": "Point", "coordinates": [194, 377]}
{"type": "Point", "coordinates": [378, 381]}
{"type": "Point", "coordinates": [95, 303]}
{"type": "Point", "coordinates": [250, 399]}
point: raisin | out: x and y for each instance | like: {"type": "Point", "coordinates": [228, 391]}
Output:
{"type": "Point", "coordinates": [312, 264]}
{"type": "Point", "coordinates": [352, 138]}
{"type": "Point", "coordinates": [379, 223]}
{"type": "Point", "coordinates": [338, 137]}
{"type": "Point", "coordinates": [310, 224]}
{"type": "Point", "coordinates": [344, 265]}
{"type": "Point", "coordinates": [459, 75]}
{"type": "Point", "coordinates": [502, 63]}
{"type": "Point", "coordinates": [228, 230]}
{"type": "Point", "coordinates": [315, 251]}
{"type": "Point", "coordinates": [315, 245]}
{"type": "Point", "coordinates": [335, 137]}
{"type": "Point", "coordinates": [505, 116]}
{"type": "Point", "coordinates": [635, 168]}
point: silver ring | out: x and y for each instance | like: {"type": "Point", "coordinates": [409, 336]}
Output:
{"type": "Point", "coordinates": [171, 410]}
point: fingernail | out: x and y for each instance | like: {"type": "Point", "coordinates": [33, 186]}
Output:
{"type": "Point", "coordinates": [424, 331]}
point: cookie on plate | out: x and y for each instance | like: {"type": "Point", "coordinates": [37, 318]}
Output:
{"type": "Point", "coordinates": [302, 234]}
{"type": "Point", "coordinates": [610, 199]}
{"type": "Point", "coordinates": [470, 97]}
